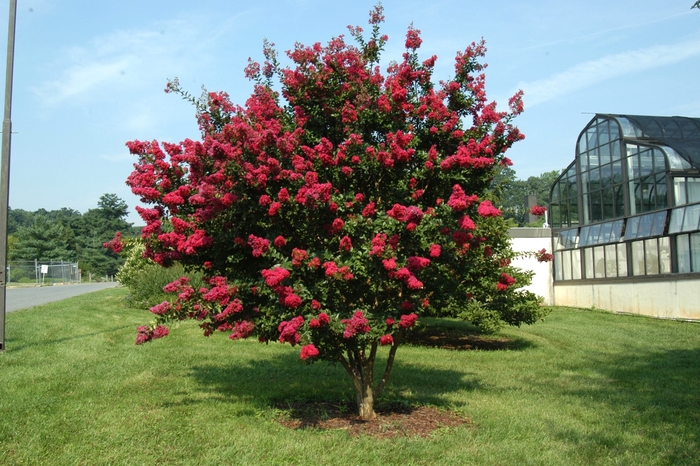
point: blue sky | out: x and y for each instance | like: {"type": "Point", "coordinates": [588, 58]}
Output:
{"type": "Point", "coordinates": [89, 75]}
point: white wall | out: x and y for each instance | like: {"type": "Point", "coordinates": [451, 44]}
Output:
{"type": "Point", "coordinates": [528, 240]}
{"type": "Point", "coordinates": [674, 299]}
{"type": "Point", "coordinates": [670, 299]}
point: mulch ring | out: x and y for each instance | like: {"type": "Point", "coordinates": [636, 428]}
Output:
{"type": "Point", "coordinates": [393, 420]}
{"type": "Point", "coordinates": [449, 339]}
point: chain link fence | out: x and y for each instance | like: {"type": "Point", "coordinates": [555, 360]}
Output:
{"type": "Point", "coordinates": [43, 272]}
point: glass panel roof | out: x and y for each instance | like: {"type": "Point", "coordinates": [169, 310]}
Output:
{"type": "Point", "coordinates": [682, 134]}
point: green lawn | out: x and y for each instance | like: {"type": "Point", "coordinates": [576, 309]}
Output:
{"type": "Point", "coordinates": [580, 388]}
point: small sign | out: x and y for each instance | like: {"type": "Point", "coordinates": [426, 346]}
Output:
{"type": "Point", "coordinates": [44, 269]}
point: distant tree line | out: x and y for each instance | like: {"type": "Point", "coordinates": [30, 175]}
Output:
{"type": "Point", "coordinates": [68, 235]}
{"type": "Point", "coordinates": [512, 192]}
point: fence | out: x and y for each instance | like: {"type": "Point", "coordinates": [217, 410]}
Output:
{"type": "Point", "coordinates": [41, 272]}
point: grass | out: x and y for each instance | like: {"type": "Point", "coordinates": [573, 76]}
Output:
{"type": "Point", "coordinates": [580, 388]}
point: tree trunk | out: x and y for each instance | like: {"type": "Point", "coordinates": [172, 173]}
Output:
{"type": "Point", "coordinates": [365, 402]}
{"type": "Point", "coordinates": [360, 367]}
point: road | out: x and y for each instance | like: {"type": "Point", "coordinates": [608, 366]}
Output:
{"type": "Point", "coordinates": [21, 298]}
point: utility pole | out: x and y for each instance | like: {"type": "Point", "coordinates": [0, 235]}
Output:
{"type": "Point", "coordinates": [5, 167]}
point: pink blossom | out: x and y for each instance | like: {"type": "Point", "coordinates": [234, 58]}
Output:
{"type": "Point", "coordinates": [413, 39]}
{"type": "Point", "coordinates": [243, 329]}
{"type": "Point", "coordinates": [486, 209]}
{"type": "Point", "coordinates": [337, 226]}
{"type": "Point", "coordinates": [357, 324]}
{"type": "Point", "coordinates": [415, 263]}
{"type": "Point", "coordinates": [159, 332]}
{"type": "Point", "coordinates": [543, 256]}
{"type": "Point", "coordinates": [292, 301]}
{"type": "Point", "coordinates": [274, 209]}
{"type": "Point", "coordinates": [413, 283]}
{"type": "Point", "coordinates": [299, 256]}
{"type": "Point", "coordinates": [389, 264]}
{"type": "Point", "coordinates": [459, 200]}
{"type": "Point", "coordinates": [161, 308]}
{"type": "Point", "coordinates": [345, 243]}
{"type": "Point", "coordinates": [308, 351]}
{"type": "Point", "coordinates": [369, 210]}
{"type": "Point", "coordinates": [538, 210]}
{"type": "Point", "coordinates": [386, 340]}
{"type": "Point", "coordinates": [288, 330]}
{"type": "Point", "coordinates": [324, 318]}
{"type": "Point", "coordinates": [274, 277]}
{"type": "Point", "coordinates": [260, 245]}
{"type": "Point", "coordinates": [408, 320]}
{"type": "Point", "coordinates": [504, 282]}
{"type": "Point", "coordinates": [378, 244]}
{"type": "Point", "coordinates": [283, 195]}
{"type": "Point", "coordinates": [466, 223]}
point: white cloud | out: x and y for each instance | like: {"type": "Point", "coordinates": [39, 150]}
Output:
{"type": "Point", "coordinates": [80, 79]}
{"type": "Point", "coordinates": [592, 72]}
{"type": "Point", "coordinates": [121, 59]}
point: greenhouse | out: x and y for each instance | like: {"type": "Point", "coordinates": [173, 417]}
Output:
{"type": "Point", "coordinates": [626, 212]}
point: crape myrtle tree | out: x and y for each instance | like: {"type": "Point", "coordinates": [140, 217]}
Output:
{"type": "Point", "coordinates": [335, 212]}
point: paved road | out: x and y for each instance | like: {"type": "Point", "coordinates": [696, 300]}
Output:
{"type": "Point", "coordinates": [21, 298]}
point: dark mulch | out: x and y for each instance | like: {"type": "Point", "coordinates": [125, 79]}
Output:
{"type": "Point", "coordinates": [396, 419]}
{"type": "Point", "coordinates": [393, 420]}
{"type": "Point", "coordinates": [454, 339]}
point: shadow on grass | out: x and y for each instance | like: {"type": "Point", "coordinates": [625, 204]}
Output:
{"type": "Point", "coordinates": [9, 343]}
{"type": "Point", "coordinates": [453, 334]}
{"type": "Point", "coordinates": [659, 395]}
{"type": "Point", "coordinates": [285, 380]}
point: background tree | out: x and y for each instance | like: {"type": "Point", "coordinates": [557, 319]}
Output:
{"type": "Point", "coordinates": [333, 220]}
{"type": "Point", "coordinates": [98, 226]}
{"type": "Point", "coordinates": [45, 240]}
{"type": "Point", "coordinates": [66, 234]}
{"type": "Point", "coordinates": [17, 218]}
{"type": "Point", "coordinates": [510, 193]}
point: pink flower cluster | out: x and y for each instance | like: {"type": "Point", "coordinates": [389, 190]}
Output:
{"type": "Point", "coordinates": [333, 271]}
{"type": "Point", "coordinates": [408, 320]}
{"type": "Point", "coordinates": [487, 209]}
{"type": "Point", "coordinates": [308, 352]}
{"type": "Point", "coordinates": [115, 244]}
{"type": "Point", "coordinates": [378, 245]}
{"type": "Point", "coordinates": [538, 210]}
{"type": "Point", "coordinates": [322, 320]}
{"type": "Point", "coordinates": [288, 330]}
{"type": "Point", "coordinates": [242, 329]}
{"type": "Point", "coordinates": [275, 276]}
{"type": "Point", "coordinates": [357, 324]}
{"type": "Point", "coordinates": [459, 201]}
{"type": "Point", "coordinates": [162, 308]}
{"type": "Point", "coordinates": [410, 215]}
{"type": "Point", "coordinates": [145, 333]}
{"type": "Point", "coordinates": [405, 275]}
{"type": "Point", "coordinates": [543, 256]}
{"type": "Point", "coordinates": [260, 245]}
{"type": "Point", "coordinates": [504, 282]}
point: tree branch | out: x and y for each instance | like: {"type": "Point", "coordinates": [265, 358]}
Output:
{"type": "Point", "coordinates": [389, 365]}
